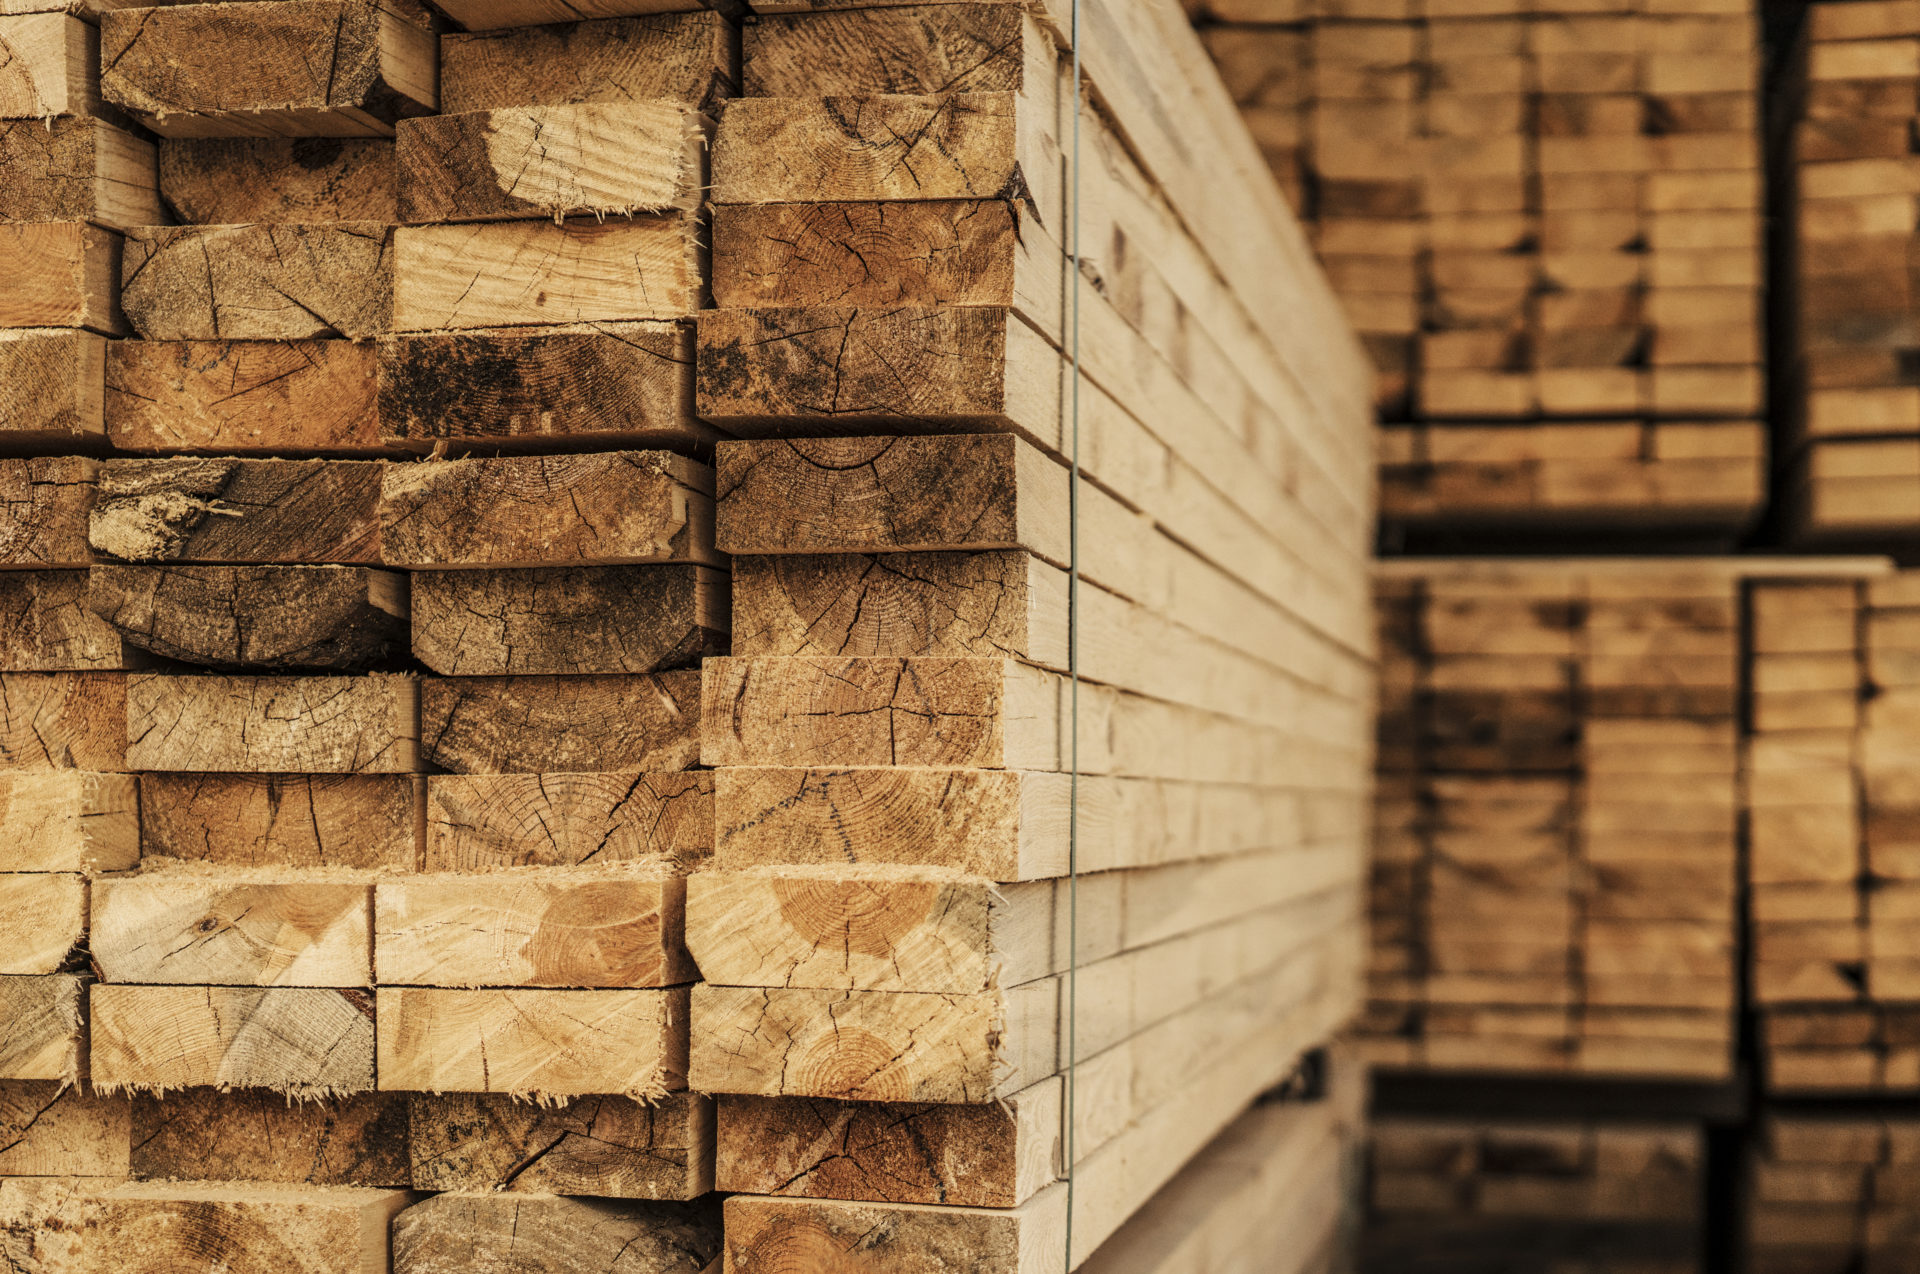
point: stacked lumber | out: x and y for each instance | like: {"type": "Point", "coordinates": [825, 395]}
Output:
{"type": "Point", "coordinates": [1545, 898]}
{"type": "Point", "coordinates": [1834, 1191]}
{"type": "Point", "coordinates": [1835, 882]}
{"type": "Point", "coordinates": [1509, 1193]}
{"type": "Point", "coordinates": [1545, 223]}
{"type": "Point", "coordinates": [1848, 101]}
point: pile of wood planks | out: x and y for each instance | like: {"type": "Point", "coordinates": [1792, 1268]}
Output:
{"type": "Point", "coordinates": [1848, 101]}
{"type": "Point", "coordinates": [577, 637]}
{"type": "Point", "coordinates": [1470, 1195]}
{"type": "Point", "coordinates": [1834, 866]}
{"type": "Point", "coordinates": [1834, 1191]}
{"type": "Point", "coordinates": [1545, 221]}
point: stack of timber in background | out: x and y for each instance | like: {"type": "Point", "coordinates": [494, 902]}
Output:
{"type": "Point", "coordinates": [389, 725]}
{"type": "Point", "coordinates": [1545, 898]}
{"type": "Point", "coordinates": [1846, 105]}
{"type": "Point", "coordinates": [1508, 1193]}
{"type": "Point", "coordinates": [1834, 1191]}
{"type": "Point", "coordinates": [1545, 222]}
{"type": "Point", "coordinates": [1835, 818]}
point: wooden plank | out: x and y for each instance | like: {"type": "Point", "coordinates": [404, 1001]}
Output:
{"type": "Point", "coordinates": [260, 282]}
{"type": "Point", "coordinates": [229, 510]}
{"type": "Point", "coordinates": [975, 48]}
{"type": "Point", "coordinates": [63, 721]}
{"type": "Point", "coordinates": [50, 389]}
{"type": "Point", "coordinates": [77, 170]}
{"type": "Point", "coordinates": [498, 274]}
{"type": "Point", "coordinates": [44, 503]}
{"type": "Point", "coordinates": [688, 57]}
{"type": "Point", "coordinates": [567, 620]}
{"type": "Point", "coordinates": [242, 397]}
{"type": "Point", "coordinates": [604, 1147]}
{"type": "Point", "coordinates": [274, 725]}
{"type": "Point", "coordinates": [279, 617]}
{"type": "Point", "coordinates": [67, 820]}
{"type": "Point", "coordinates": [646, 1238]}
{"type": "Point", "coordinates": [608, 927]}
{"type": "Point", "coordinates": [486, 15]}
{"type": "Point", "coordinates": [622, 508]}
{"type": "Point", "coordinates": [305, 1230]}
{"type": "Point", "coordinates": [48, 626]}
{"type": "Point", "coordinates": [532, 725]}
{"type": "Point", "coordinates": [41, 1032]}
{"type": "Point", "coordinates": [175, 69]}
{"type": "Point", "coordinates": [45, 918]}
{"type": "Point", "coordinates": [534, 1044]}
{"type": "Point", "coordinates": [478, 822]}
{"type": "Point", "coordinates": [230, 181]}
{"type": "Point", "coordinates": [192, 928]}
{"type": "Point", "coordinates": [60, 274]}
{"type": "Point", "coordinates": [616, 384]}
{"type": "Point", "coordinates": [910, 1238]}
{"type": "Point", "coordinates": [299, 1042]}
{"type": "Point", "coordinates": [357, 821]}
{"type": "Point", "coordinates": [49, 66]}
{"type": "Point", "coordinates": [548, 162]}
{"type": "Point", "coordinates": [248, 1135]}
{"type": "Point", "coordinates": [53, 1130]}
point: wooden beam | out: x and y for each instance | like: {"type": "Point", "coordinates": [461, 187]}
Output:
{"type": "Point", "coordinates": [531, 725]}
{"type": "Point", "coordinates": [63, 721]}
{"type": "Point", "coordinates": [68, 820]}
{"type": "Point", "coordinates": [478, 822]}
{"type": "Point", "coordinates": [300, 1042]}
{"type": "Point", "coordinates": [49, 66]}
{"type": "Point", "coordinates": [534, 1044]}
{"type": "Point", "coordinates": [52, 1130]}
{"type": "Point", "coordinates": [77, 170]}
{"type": "Point", "coordinates": [190, 928]}
{"type": "Point", "coordinates": [548, 162]}
{"type": "Point", "coordinates": [488, 15]}
{"type": "Point", "coordinates": [50, 390]}
{"type": "Point", "coordinates": [47, 626]}
{"type": "Point", "coordinates": [611, 927]}
{"type": "Point", "coordinates": [873, 1045]}
{"type": "Point", "coordinates": [302, 180]}
{"type": "Point", "coordinates": [495, 274]}
{"type": "Point", "coordinates": [336, 68]}
{"type": "Point", "coordinates": [227, 510]}
{"type": "Point", "coordinates": [901, 1238]}
{"type": "Point", "coordinates": [602, 1147]}
{"type": "Point", "coordinates": [358, 821]}
{"type": "Point", "coordinates": [247, 1135]}
{"type": "Point", "coordinates": [291, 1228]}
{"type": "Point", "coordinates": [969, 48]}
{"type": "Point", "coordinates": [274, 725]}
{"type": "Point", "coordinates": [621, 508]}
{"type": "Point", "coordinates": [996, 1155]}
{"type": "Point", "coordinates": [44, 503]}
{"type": "Point", "coordinates": [619, 384]}
{"type": "Point", "coordinates": [567, 619]}
{"type": "Point", "coordinates": [685, 57]}
{"type": "Point", "coordinates": [41, 1027]}
{"type": "Point", "coordinates": [453, 1230]}
{"type": "Point", "coordinates": [42, 919]}
{"type": "Point", "coordinates": [261, 282]}
{"type": "Point", "coordinates": [60, 274]}
{"type": "Point", "coordinates": [279, 617]}
{"type": "Point", "coordinates": [240, 397]}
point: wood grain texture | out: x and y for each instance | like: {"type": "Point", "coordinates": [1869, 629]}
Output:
{"type": "Point", "coordinates": [498, 274]}
{"type": "Point", "coordinates": [68, 820]}
{"type": "Point", "coordinates": [275, 725]}
{"type": "Point", "coordinates": [206, 1135]}
{"type": "Point", "coordinates": [624, 384]}
{"type": "Point", "coordinates": [49, 65]}
{"type": "Point", "coordinates": [300, 1042]}
{"type": "Point", "coordinates": [232, 510]}
{"type": "Point", "coordinates": [514, 163]}
{"type": "Point", "coordinates": [200, 929]}
{"type": "Point", "coordinates": [63, 721]}
{"type": "Point", "coordinates": [61, 274]}
{"type": "Point", "coordinates": [241, 397]}
{"type": "Point", "coordinates": [47, 626]}
{"type": "Point", "coordinates": [900, 1239]}
{"type": "Point", "coordinates": [302, 180]}
{"type": "Point", "coordinates": [259, 282]}
{"type": "Point", "coordinates": [454, 1232]}
{"type": "Point", "coordinates": [620, 507]}
{"type": "Point", "coordinates": [610, 927]}
{"type": "Point", "coordinates": [276, 617]}
{"type": "Point", "coordinates": [362, 821]}
{"type": "Point", "coordinates": [152, 1227]}
{"type": "Point", "coordinates": [604, 1147]}
{"type": "Point", "coordinates": [40, 1027]}
{"type": "Point", "coordinates": [77, 170]}
{"type": "Point", "coordinates": [44, 504]}
{"type": "Point", "coordinates": [42, 919]}
{"type": "Point", "coordinates": [567, 619]}
{"type": "Point", "coordinates": [685, 57]}
{"type": "Point", "coordinates": [51, 1130]}
{"type": "Point", "coordinates": [481, 822]}
{"type": "Point", "coordinates": [977, 48]}
{"type": "Point", "coordinates": [321, 68]}
{"type": "Point", "coordinates": [50, 389]}
{"type": "Point", "coordinates": [537, 1044]}
{"type": "Point", "coordinates": [532, 725]}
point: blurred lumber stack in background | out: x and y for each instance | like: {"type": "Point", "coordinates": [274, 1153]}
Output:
{"type": "Point", "coordinates": [1835, 1191]}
